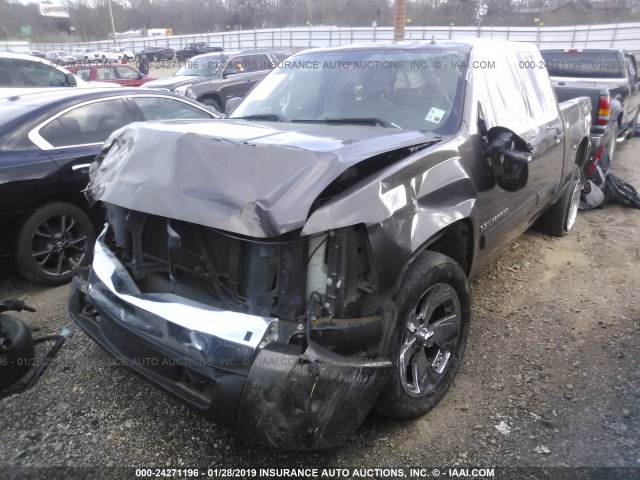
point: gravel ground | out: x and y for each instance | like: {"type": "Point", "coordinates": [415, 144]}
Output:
{"type": "Point", "coordinates": [553, 353]}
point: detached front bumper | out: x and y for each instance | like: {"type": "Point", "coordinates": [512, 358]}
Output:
{"type": "Point", "coordinates": [223, 364]}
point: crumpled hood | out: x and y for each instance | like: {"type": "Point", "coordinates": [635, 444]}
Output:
{"type": "Point", "coordinates": [257, 179]}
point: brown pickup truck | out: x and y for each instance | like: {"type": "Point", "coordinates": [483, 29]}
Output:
{"type": "Point", "coordinates": [287, 269]}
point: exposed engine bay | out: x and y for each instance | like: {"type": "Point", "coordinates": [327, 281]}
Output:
{"type": "Point", "coordinates": [323, 278]}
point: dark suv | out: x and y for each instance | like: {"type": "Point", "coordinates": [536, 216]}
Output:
{"type": "Point", "coordinates": [214, 78]}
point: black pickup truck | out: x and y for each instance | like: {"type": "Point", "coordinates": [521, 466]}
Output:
{"type": "Point", "coordinates": [287, 269]}
{"type": "Point", "coordinates": [609, 78]}
{"type": "Point", "coordinates": [194, 49]}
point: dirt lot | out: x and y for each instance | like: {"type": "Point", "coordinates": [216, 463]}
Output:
{"type": "Point", "coordinates": [553, 353]}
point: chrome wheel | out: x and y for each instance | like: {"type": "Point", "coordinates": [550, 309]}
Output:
{"type": "Point", "coordinates": [58, 244]}
{"type": "Point", "coordinates": [430, 340]}
{"type": "Point", "coordinates": [573, 206]}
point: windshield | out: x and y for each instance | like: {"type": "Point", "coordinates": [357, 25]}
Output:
{"type": "Point", "coordinates": [408, 89]}
{"type": "Point", "coordinates": [89, 50]}
{"type": "Point", "coordinates": [584, 64]}
{"type": "Point", "coordinates": [201, 68]}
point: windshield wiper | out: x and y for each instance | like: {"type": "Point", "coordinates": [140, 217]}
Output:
{"type": "Point", "coordinates": [361, 121]}
{"type": "Point", "coordinates": [263, 116]}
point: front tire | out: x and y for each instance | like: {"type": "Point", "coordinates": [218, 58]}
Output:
{"type": "Point", "coordinates": [53, 239]}
{"type": "Point", "coordinates": [434, 310]}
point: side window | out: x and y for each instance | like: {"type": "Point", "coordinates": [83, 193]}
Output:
{"type": "Point", "coordinates": [156, 108]}
{"type": "Point", "coordinates": [55, 134]}
{"type": "Point", "coordinates": [5, 78]}
{"type": "Point", "coordinates": [280, 56]}
{"type": "Point", "coordinates": [234, 66]}
{"type": "Point", "coordinates": [25, 73]}
{"type": "Point", "coordinates": [105, 73]}
{"type": "Point", "coordinates": [84, 73]}
{"type": "Point", "coordinates": [257, 63]}
{"type": "Point", "coordinates": [126, 72]}
{"type": "Point", "coordinates": [88, 124]}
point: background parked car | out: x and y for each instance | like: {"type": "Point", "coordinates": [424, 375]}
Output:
{"type": "Point", "coordinates": [61, 57]}
{"type": "Point", "coordinates": [35, 53]}
{"type": "Point", "coordinates": [19, 72]}
{"type": "Point", "coordinates": [193, 49]}
{"type": "Point", "coordinates": [88, 54]}
{"type": "Point", "coordinates": [156, 53]}
{"type": "Point", "coordinates": [606, 75]}
{"type": "Point", "coordinates": [609, 77]}
{"type": "Point", "coordinates": [48, 141]}
{"type": "Point", "coordinates": [214, 78]}
{"type": "Point", "coordinates": [125, 75]}
{"type": "Point", "coordinates": [118, 54]}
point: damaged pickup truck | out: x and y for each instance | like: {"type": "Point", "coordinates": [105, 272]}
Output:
{"type": "Point", "coordinates": [287, 269]}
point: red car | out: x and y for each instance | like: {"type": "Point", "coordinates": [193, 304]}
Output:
{"type": "Point", "coordinates": [125, 75]}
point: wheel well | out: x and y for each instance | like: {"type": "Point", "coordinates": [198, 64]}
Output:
{"type": "Point", "coordinates": [58, 197]}
{"type": "Point", "coordinates": [456, 242]}
{"type": "Point", "coordinates": [583, 154]}
{"type": "Point", "coordinates": [212, 96]}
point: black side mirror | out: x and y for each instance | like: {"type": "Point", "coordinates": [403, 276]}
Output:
{"type": "Point", "coordinates": [509, 157]}
{"type": "Point", "coordinates": [71, 80]}
{"type": "Point", "coordinates": [231, 104]}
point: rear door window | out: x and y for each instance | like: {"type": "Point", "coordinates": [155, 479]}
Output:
{"type": "Point", "coordinates": [126, 72]}
{"type": "Point", "coordinates": [84, 73]}
{"type": "Point", "coordinates": [156, 108]}
{"type": "Point", "coordinates": [87, 124]}
{"type": "Point", "coordinates": [105, 73]}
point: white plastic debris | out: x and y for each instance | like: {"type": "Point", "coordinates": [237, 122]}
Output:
{"type": "Point", "coordinates": [536, 417]}
{"type": "Point", "coordinates": [503, 428]}
{"type": "Point", "coordinates": [541, 449]}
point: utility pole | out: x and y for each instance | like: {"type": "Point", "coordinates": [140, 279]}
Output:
{"type": "Point", "coordinates": [113, 25]}
{"type": "Point", "coordinates": [401, 13]}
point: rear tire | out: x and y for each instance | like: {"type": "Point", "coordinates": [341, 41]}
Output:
{"type": "Point", "coordinates": [53, 239]}
{"type": "Point", "coordinates": [434, 310]}
{"type": "Point", "coordinates": [560, 218]}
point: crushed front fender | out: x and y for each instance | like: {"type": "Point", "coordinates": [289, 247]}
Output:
{"type": "Point", "coordinates": [312, 401]}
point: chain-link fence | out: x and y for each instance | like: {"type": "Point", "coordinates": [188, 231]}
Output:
{"type": "Point", "coordinates": [622, 35]}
